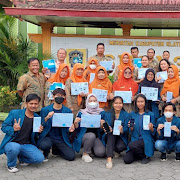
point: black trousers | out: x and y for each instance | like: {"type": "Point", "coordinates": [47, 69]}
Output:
{"type": "Point", "coordinates": [136, 151]}
{"type": "Point", "coordinates": [114, 143]}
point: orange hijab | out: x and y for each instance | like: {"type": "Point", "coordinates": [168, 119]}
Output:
{"type": "Point", "coordinates": [89, 69]}
{"type": "Point", "coordinates": [56, 77]}
{"type": "Point", "coordinates": [124, 84]}
{"type": "Point", "coordinates": [77, 79]}
{"type": "Point", "coordinates": [101, 84]}
{"type": "Point", "coordinates": [172, 84]}
{"type": "Point", "coordinates": [122, 65]}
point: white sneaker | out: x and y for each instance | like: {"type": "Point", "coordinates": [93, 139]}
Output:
{"type": "Point", "coordinates": [46, 159]}
{"type": "Point", "coordinates": [12, 169]}
{"type": "Point", "coordinates": [109, 165]}
{"type": "Point", "coordinates": [87, 158]}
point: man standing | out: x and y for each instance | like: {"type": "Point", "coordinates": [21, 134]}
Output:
{"type": "Point", "coordinates": [32, 82]}
{"type": "Point", "coordinates": [134, 53]}
{"type": "Point", "coordinates": [166, 55]}
{"type": "Point", "coordinates": [19, 140]}
{"type": "Point", "coordinates": [153, 63]}
{"type": "Point", "coordinates": [61, 56]}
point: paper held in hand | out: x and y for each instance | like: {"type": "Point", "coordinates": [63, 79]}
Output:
{"type": "Point", "coordinates": [100, 94]}
{"type": "Point", "coordinates": [62, 120]}
{"type": "Point", "coordinates": [36, 124]}
{"type": "Point", "coordinates": [150, 93]}
{"type": "Point", "coordinates": [116, 130]}
{"type": "Point", "coordinates": [146, 121]}
{"type": "Point", "coordinates": [77, 88]}
{"type": "Point", "coordinates": [126, 95]}
{"type": "Point", "coordinates": [90, 120]}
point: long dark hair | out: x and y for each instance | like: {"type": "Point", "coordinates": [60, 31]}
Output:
{"type": "Point", "coordinates": [146, 103]}
{"type": "Point", "coordinates": [161, 61]}
{"type": "Point", "coordinates": [112, 108]}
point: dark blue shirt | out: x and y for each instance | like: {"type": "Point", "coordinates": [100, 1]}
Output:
{"type": "Point", "coordinates": [140, 118]}
{"type": "Point", "coordinates": [55, 132]}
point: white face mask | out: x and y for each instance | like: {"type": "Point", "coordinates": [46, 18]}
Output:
{"type": "Point", "coordinates": [93, 105]}
{"type": "Point", "coordinates": [92, 66]}
{"type": "Point", "coordinates": [168, 114]}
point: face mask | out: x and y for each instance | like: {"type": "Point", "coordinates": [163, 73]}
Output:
{"type": "Point", "coordinates": [93, 105]}
{"type": "Point", "coordinates": [59, 100]}
{"type": "Point", "coordinates": [168, 114]}
{"type": "Point", "coordinates": [92, 66]}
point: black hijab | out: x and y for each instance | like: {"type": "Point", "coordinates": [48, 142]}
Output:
{"type": "Point", "coordinates": [146, 83]}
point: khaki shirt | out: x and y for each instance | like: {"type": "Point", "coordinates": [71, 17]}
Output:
{"type": "Point", "coordinates": [29, 83]}
{"type": "Point", "coordinates": [154, 65]}
{"type": "Point", "coordinates": [103, 58]}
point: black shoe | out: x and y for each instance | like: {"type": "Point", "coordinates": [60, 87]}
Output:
{"type": "Point", "coordinates": [145, 160]}
{"type": "Point", "coordinates": [163, 157]}
{"type": "Point", "coordinates": [177, 156]}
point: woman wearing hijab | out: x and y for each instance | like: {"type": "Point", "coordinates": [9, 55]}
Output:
{"type": "Point", "coordinates": [149, 81]}
{"type": "Point", "coordinates": [126, 83]}
{"type": "Point", "coordinates": [172, 85]}
{"type": "Point", "coordinates": [89, 73]}
{"type": "Point", "coordinates": [75, 102]}
{"type": "Point", "coordinates": [101, 81]}
{"type": "Point", "coordinates": [90, 137]}
{"type": "Point", "coordinates": [60, 76]}
{"type": "Point", "coordinates": [125, 61]}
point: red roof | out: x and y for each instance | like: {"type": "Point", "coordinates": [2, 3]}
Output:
{"type": "Point", "coordinates": [105, 5]}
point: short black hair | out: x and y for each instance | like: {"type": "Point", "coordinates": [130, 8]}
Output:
{"type": "Point", "coordinates": [146, 103]}
{"type": "Point", "coordinates": [31, 97]}
{"type": "Point", "coordinates": [166, 51]}
{"type": "Point", "coordinates": [169, 104]}
{"type": "Point", "coordinates": [151, 49]}
{"type": "Point", "coordinates": [145, 56]}
{"type": "Point", "coordinates": [59, 91]}
{"type": "Point", "coordinates": [161, 61]}
{"type": "Point", "coordinates": [134, 48]}
{"type": "Point", "coordinates": [33, 59]}
{"type": "Point", "coordinates": [100, 44]}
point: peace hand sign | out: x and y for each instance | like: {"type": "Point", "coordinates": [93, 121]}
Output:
{"type": "Point", "coordinates": [17, 126]}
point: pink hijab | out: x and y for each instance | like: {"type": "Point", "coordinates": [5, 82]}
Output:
{"type": "Point", "coordinates": [89, 110]}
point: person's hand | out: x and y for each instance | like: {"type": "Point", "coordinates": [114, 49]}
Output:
{"type": "Point", "coordinates": [102, 122]}
{"type": "Point", "coordinates": [160, 126]}
{"type": "Point", "coordinates": [44, 70]}
{"type": "Point", "coordinates": [72, 128]}
{"type": "Point", "coordinates": [88, 72]}
{"type": "Point", "coordinates": [16, 125]}
{"type": "Point", "coordinates": [40, 129]}
{"type": "Point", "coordinates": [82, 94]}
{"type": "Point", "coordinates": [141, 80]}
{"type": "Point", "coordinates": [120, 129]}
{"type": "Point", "coordinates": [113, 66]}
{"type": "Point", "coordinates": [110, 129]}
{"type": "Point", "coordinates": [76, 122]}
{"type": "Point", "coordinates": [132, 98]}
{"type": "Point", "coordinates": [174, 128]}
{"type": "Point", "coordinates": [151, 127]}
{"type": "Point", "coordinates": [163, 98]}
{"type": "Point", "coordinates": [131, 128]}
{"type": "Point", "coordinates": [158, 79]}
{"type": "Point", "coordinates": [111, 96]}
{"type": "Point", "coordinates": [72, 109]}
{"type": "Point", "coordinates": [108, 97]}
{"type": "Point", "coordinates": [173, 101]}
{"type": "Point", "coordinates": [50, 114]}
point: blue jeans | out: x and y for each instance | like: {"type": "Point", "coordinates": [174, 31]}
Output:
{"type": "Point", "coordinates": [62, 148]}
{"type": "Point", "coordinates": [26, 153]}
{"type": "Point", "coordinates": [162, 146]}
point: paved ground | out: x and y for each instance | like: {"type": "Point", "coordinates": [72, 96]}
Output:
{"type": "Point", "coordinates": [57, 168]}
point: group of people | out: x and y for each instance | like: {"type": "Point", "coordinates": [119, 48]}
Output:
{"type": "Point", "coordinates": [139, 142]}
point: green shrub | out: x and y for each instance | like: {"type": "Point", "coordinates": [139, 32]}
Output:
{"type": "Point", "coordinates": [7, 98]}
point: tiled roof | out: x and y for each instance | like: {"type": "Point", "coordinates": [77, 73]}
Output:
{"type": "Point", "coordinates": [104, 5]}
